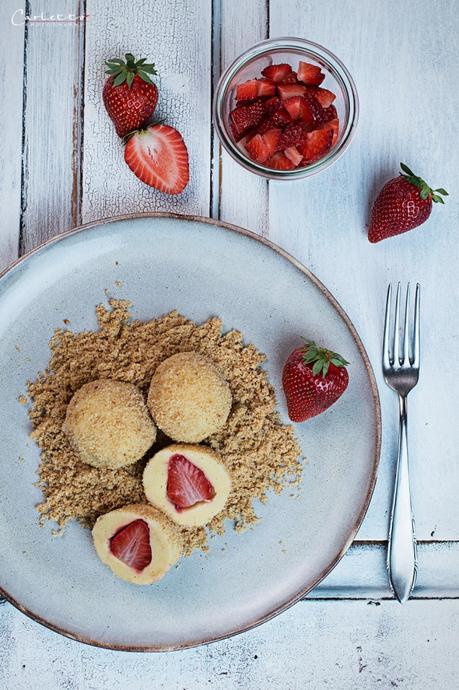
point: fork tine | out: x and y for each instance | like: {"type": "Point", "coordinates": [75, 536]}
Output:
{"type": "Point", "coordinates": [396, 341]}
{"type": "Point", "coordinates": [416, 344]}
{"type": "Point", "coordinates": [386, 353]}
{"type": "Point", "coordinates": [406, 338]}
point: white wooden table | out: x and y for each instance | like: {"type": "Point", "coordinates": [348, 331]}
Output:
{"type": "Point", "coordinates": [61, 165]}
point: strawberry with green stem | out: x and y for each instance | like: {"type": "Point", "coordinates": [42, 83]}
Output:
{"type": "Point", "coordinates": [403, 203]}
{"type": "Point", "coordinates": [313, 379]}
{"type": "Point", "coordinates": [130, 96]}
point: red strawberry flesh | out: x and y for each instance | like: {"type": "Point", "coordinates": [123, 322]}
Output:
{"type": "Point", "coordinates": [293, 155]}
{"type": "Point", "coordinates": [279, 162]}
{"type": "Point", "coordinates": [131, 545]}
{"type": "Point", "coordinates": [277, 73]}
{"type": "Point", "coordinates": [317, 144]}
{"type": "Point", "coordinates": [244, 117]}
{"type": "Point", "coordinates": [187, 485]}
{"type": "Point", "coordinates": [254, 88]}
{"type": "Point", "coordinates": [324, 96]}
{"type": "Point", "coordinates": [310, 74]}
{"type": "Point", "coordinates": [158, 156]}
{"type": "Point", "coordinates": [290, 90]}
{"type": "Point", "coordinates": [275, 120]}
{"type": "Point", "coordinates": [292, 135]}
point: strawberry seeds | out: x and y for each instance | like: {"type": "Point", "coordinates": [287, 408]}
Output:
{"type": "Point", "coordinates": [285, 119]}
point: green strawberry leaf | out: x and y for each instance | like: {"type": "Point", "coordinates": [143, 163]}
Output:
{"type": "Point", "coordinates": [406, 170]}
{"type": "Point", "coordinates": [148, 68]}
{"type": "Point", "coordinates": [424, 194]}
{"type": "Point", "coordinates": [317, 367]}
{"type": "Point", "coordinates": [120, 79]}
{"type": "Point", "coordinates": [130, 79]}
{"type": "Point", "coordinates": [441, 191]}
{"type": "Point", "coordinates": [146, 78]}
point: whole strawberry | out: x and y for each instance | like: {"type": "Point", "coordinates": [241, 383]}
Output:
{"type": "Point", "coordinates": [403, 203]}
{"type": "Point", "coordinates": [313, 379]}
{"type": "Point", "coordinates": [130, 96]}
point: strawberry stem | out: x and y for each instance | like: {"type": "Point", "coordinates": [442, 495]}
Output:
{"type": "Point", "coordinates": [124, 71]}
{"type": "Point", "coordinates": [321, 358]}
{"type": "Point", "coordinates": [425, 190]}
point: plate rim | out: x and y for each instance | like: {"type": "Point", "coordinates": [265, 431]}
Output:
{"type": "Point", "coordinates": [377, 415]}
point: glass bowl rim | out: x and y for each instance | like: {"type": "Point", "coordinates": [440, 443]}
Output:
{"type": "Point", "coordinates": [284, 44]}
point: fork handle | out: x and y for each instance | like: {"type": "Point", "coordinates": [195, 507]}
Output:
{"type": "Point", "coordinates": [402, 552]}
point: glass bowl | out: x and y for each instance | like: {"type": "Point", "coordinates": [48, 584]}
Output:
{"type": "Point", "coordinates": [286, 50]}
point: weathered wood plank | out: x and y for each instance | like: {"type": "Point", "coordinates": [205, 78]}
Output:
{"type": "Point", "coordinates": [176, 36]}
{"type": "Point", "coordinates": [362, 573]}
{"type": "Point", "coordinates": [52, 109]}
{"type": "Point", "coordinates": [406, 114]}
{"type": "Point", "coordinates": [315, 645]}
{"type": "Point", "coordinates": [243, 197]}
{"type": "Point", "coordinates": [11, 76]}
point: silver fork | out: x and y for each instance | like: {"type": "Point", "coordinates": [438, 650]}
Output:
{"type": "Point", "coordinates": [400, 363]}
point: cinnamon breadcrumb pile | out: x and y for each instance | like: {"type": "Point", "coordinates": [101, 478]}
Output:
{"type": "Point", "coordinates": [259, 451]}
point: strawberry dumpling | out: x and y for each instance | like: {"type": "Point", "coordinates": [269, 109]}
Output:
{"type": "Point", "coordinates": [189, 483]}
{"type": "Point", "coordinates": [107, 422]}
{"type": "Point", "coordinates": [189, 398]}
{"type": "Point", "coordinates": [137, 542]}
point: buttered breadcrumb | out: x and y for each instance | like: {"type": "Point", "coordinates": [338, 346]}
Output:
{"type": "Point", "coordinates": [259, 452]}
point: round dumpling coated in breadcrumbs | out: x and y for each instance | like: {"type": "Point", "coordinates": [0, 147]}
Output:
{"type": "Point", "coordinates": [189, 398]}
{"type": "Point", "coordinates": [108, 423]}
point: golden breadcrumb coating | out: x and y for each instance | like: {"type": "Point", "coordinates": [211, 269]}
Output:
{"type": "Point", "coordinates": [189, 398]}
{"type": "Point", "coordinates": [108, 423]}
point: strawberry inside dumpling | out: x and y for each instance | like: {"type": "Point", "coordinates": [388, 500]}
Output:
{"type": "Point", "coordinates": [137, 542]}
{"type": "Point", "coordinates": [187, 485]}
{"type": "Point", "coordinates": [131, 545]}
{"type": "Point", "coordinates": [187, 482]}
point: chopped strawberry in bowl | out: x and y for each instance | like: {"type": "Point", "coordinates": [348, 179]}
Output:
{"type": "Point", "coordinates": [286, 109]}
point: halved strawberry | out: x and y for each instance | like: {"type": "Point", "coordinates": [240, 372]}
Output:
{"type": "Point", "coordinates": [317, 144]}
{"type": "Point", "coordinates": [279, 162]}
{"type": "Point", "coordinates": [293, 155]}
{"type": "Point", "coordinates": [277, 73]}
{"type": "Point", "coordinates": [324, 96]}
{"type": "Point", "coordinates": [310, 74]}
{"type": "Point", "coordinates": [276, 119]}
{"type": "Point", "coordinates": [249, 90]}
{"type": "Point", "coordinates": [158, 156]}
{"type": "Point", "coordinates": [334, 126]}
{"type": "Point", "coordinates": [131, 545]}
{"type": "Point", "coordinates": [290, 90]}
{"type": "Point", "coordinates": [244, 117]}
{"type": "Point", "coordinates": [292, 135]}
{"type": "Point", "coordinates": [187, 484]}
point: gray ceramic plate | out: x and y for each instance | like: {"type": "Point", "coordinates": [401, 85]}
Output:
{"type": "Point", "coordinates": [201, 268]}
